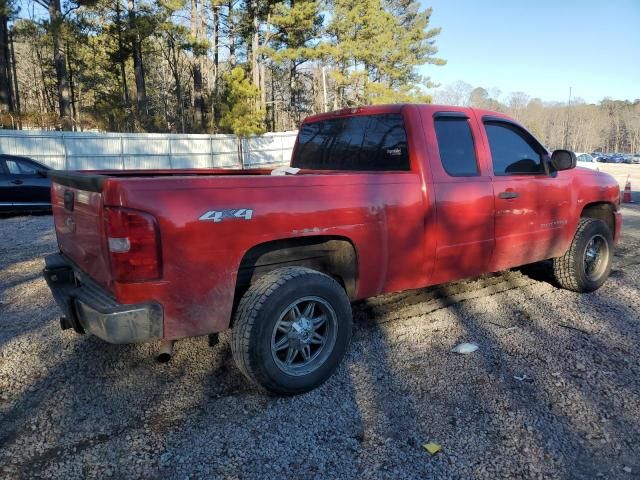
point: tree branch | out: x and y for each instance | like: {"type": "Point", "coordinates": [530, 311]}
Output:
{"type": "Point", "coordinates": [64, 15]}
{"type": "Point", "coordinates": [42, 3]}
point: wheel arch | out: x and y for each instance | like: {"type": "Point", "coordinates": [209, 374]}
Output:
{"type": "Point", "coordinates": [604, 211]}
{"type": "Point", "coordinates": [335, 256]}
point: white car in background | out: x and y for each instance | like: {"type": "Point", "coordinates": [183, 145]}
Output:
{"type": "Point", "coordinates": [587, 161]}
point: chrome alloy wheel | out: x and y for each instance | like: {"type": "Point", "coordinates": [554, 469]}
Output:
{"type": "Point", "coordinates": [304, 336]}
{"type": "Point", "coordinates": [596, 257]}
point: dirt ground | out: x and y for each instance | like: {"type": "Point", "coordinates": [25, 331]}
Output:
{"type": "Point", "coordinates": [552, 392]}
{"type": "Point", "coordinates": [621, 172]}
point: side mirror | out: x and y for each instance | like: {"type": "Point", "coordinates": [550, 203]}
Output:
{"type": "Point", "coordinates": [563, 159]}
{"type": "Point", "coordinates": [43, 173]}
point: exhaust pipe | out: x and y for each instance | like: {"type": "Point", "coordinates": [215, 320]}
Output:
{"type": "Point", "coordinates": [165, 352]}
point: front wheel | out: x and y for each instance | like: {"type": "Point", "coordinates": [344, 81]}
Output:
{"type": "Point", "coordinates": [292, 329]}
{"type": "Point", "coordinates": [586, 265]}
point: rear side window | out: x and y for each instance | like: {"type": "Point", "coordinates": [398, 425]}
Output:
{"type": "Point", "coordinates": [361, 143]}
{"type": "Point", "coordinates": [17, 167]}
{"type": "Point", "coordinates": [455, 143]}
{"type": "Point", "coordinates": [513, 150]}
{"type": "Point", "coordinates": [13, 167]}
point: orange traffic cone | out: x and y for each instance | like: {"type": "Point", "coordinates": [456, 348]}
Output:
{"type": "Point", "coordinates": [626, 195]}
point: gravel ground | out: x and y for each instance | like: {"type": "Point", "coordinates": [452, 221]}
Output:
{"type": "Point", "coordinates": [75, 407]}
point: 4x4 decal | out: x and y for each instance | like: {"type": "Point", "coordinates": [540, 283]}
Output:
{"type": "Point", "coordinates": [219, 215]}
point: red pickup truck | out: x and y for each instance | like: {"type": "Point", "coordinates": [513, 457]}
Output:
{"type": "Point", "coordinates": [386, 198]}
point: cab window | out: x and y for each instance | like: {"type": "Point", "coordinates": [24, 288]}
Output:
{"type": "Point", "coordinates": [513, 150]}
{"type": "Point", "coordinates": [361, 143]}
{"type": "Point", "coordinates": [456, 147]}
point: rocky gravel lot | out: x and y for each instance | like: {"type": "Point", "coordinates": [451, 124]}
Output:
{"type": "Point", "coordinates": [75, 407]}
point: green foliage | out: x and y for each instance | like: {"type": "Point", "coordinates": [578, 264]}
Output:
{"type": "Point", "coordinates": [377, 46]}
{"type": "Point", "coordinates": [291, 58]}
{"type": "Point", "coordinates": [297, 27]}
{"type": "Point", "coordinates": [239, 115]}
{"type": "Point", "coordinates": [378, 93]}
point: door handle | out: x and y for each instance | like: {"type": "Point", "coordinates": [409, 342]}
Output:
{"type": "Point", "coordinates": [509, 195]}
{"type": "Point", "coordinates": [17, 182]}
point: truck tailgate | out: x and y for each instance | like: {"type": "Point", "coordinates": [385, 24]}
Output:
{"type": "Point", "coordinates": [77, 214]}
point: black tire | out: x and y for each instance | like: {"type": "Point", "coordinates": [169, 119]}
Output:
{"type": "Point", "coordinates": [570, 270]}
{"type": "Point", "coordinates": [261, 309]}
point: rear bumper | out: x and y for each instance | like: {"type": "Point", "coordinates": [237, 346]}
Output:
{"type": "Point", "coordinates": [89, 308]}
{"type": "Point", "coordinates": [18, 207]}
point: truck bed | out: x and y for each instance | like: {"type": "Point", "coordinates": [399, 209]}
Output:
{"type": "Point", "coordinates": [92, 180]}
{"type": "Point", "coordinates": [202, 244]}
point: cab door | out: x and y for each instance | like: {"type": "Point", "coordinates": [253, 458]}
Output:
{"type": "Point", "coordinates": [532, 203]}
{"type": "Point", "coordinates": [6, 187]}
{"type": "Point", "coordinates": [464, 228]}
{"type": "Point", "coordinates": [25, 185]}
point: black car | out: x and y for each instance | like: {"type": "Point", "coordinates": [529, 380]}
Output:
{"type": "Point", "coordinates": [24, 186]}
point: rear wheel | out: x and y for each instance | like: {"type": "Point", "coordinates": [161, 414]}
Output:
{"type": "Point", "coordinates": [292, 329]}
{"type": "Point", "coordinates": [587, 263]}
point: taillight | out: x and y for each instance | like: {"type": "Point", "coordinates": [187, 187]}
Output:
{"type": "Point", "coordinates": [133, 243]}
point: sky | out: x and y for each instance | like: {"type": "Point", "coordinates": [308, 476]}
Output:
{"type": "Point", "coordinates": [540, 47]}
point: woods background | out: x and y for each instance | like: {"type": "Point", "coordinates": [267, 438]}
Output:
{"type": "Point", "coordinates": [239, 66]}
{"type": "Point", "coordinates": [246, 67]}
{"type": "Point", "coordinates": [609, 126]}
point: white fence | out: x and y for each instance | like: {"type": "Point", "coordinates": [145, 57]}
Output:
{"type": "Point", "coordinates": [94, 151]}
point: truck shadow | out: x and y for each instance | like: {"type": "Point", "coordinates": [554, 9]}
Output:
{"type": "Point", "coordinates": [96, 408]}
{"type": "Point", "coordinates": [103, 406]}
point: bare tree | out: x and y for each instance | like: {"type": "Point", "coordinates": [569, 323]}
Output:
{"type": "Point", "coordinates": [6, 97]}
{"type": "Point", "coordinates": [138, 66]}
{"type": "Point", "coordinates": [56, 19]}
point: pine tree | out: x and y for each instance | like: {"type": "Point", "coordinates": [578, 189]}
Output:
{"type": "Point", "coordinates": [238, 106]}
{"type": "Point", "coordinates": [183, 65]}
{"type": "Point", "coordinates": [297, 26]}
{"type": "Point", "coordinates": [376, 46]}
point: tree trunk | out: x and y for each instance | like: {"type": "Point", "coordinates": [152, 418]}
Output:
{"type": "Point", "coordinates": [34, 76]}
{"type": "Point", "coordinates": [232, 37]}
{"type": "Point", "coordinates": [263, 90]}
{"type": "Point", "coordinates": [198, 101]}
{"type": "Point", "coordinates": [121, 57]}
{"type": "Point", "coordinates": [16, 90]}
{"type": "Point", "coordinates": [293, 95]}
{"type": "Point", "coordinates": [6, 101]}
{"type": "Point", "coordinates": [173, 65]}
{"type": "Point", "coordinates": [216, 62]}
{"type": "Point", "coordinates": [254, 42]}
{"type": "Point", "coordinates": [324, 89]}
{"type": "Point", "coordinates": [59, 58]}
{"type": "Point", "coordinates": [138, 67]}
{"type": "Point", "coordinates": [256, 71]}
{"type": "Point", "coordinates": [71, 84]}
{"type": "Point", "coordinates": [79, 108]}
{"type": "Point", "coordinates": [273, 105]}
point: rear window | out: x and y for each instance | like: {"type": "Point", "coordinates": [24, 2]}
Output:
{"type": "Point", "coordinates": [366, 142]}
